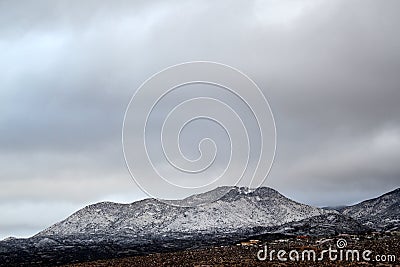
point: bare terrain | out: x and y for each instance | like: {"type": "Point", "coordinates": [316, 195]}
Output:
{"type": "Point", "coordinates": [245, 253]}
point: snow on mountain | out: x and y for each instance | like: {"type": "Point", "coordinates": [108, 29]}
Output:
{"type": "Point", "coordinates": [108, 230]}
{"type": "Point", "coordinates": [240, 208]}
{"type": "Point", "coordinates": [322, 225]}
{"type": "Point", "coordinates": [201, 199]}
{"type": "Point", "coordinates": [381, 213]}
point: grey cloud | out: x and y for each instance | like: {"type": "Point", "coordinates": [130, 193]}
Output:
{"type": "Point", "coordinates": [329, 70]}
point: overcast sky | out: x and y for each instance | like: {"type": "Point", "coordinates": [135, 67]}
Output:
{"type": "Point", "coordinates": [330, 70]}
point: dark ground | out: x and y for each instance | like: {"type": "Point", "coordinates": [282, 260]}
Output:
{"type": "Point", "coordinates": [246, 254]}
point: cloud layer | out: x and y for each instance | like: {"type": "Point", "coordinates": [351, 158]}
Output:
{"type": "Point", "coordinates": [68, 70]}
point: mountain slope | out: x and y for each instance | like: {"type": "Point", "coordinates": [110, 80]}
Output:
{"type": "Point", "coordinates": [108, 230]}
{"type": "Point", "coordinates": [322, 225]}
{"type": "Point", "coordinates": [238, 209]}
{"type": "Point", "coordinates": [381, 213]}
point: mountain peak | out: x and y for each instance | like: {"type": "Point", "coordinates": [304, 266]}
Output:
{"type": "Point", "coordinates": [224, 193]}
{"type": "Point", "coordinates": [239, 208]}
{"type": "Point", "coordinates": [264, 193]}
{"type": "Point", "coordinates": [240, 213]}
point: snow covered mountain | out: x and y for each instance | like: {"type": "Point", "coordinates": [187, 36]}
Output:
{"type": "Point", "coordinates": [240, 208]}
{"type": "Point", "coordinates": [381, 213]}
{"type": "Point", "coordinates": [322, 225]}
{"type": "Point", "coordinates": [108, 230]}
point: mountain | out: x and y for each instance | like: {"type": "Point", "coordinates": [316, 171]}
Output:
{"type": "Point", "coordinates": [322, 225]}
{"type": "Point", "coordinates": [337, 208]}
{"type": "Point", "coordinates": [108, 230]}
{"type": "Point", "coordinates": [381, 213]}
{"type": "Point", "coordinates": [240, 208]}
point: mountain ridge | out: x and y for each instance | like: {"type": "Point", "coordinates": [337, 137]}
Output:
{"type": "Point", "coordinates": [106, 229]}
{"type": "Point", "coordinates": [379, 213]}
{"type": "Point", "coordinates": [239, 208]}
